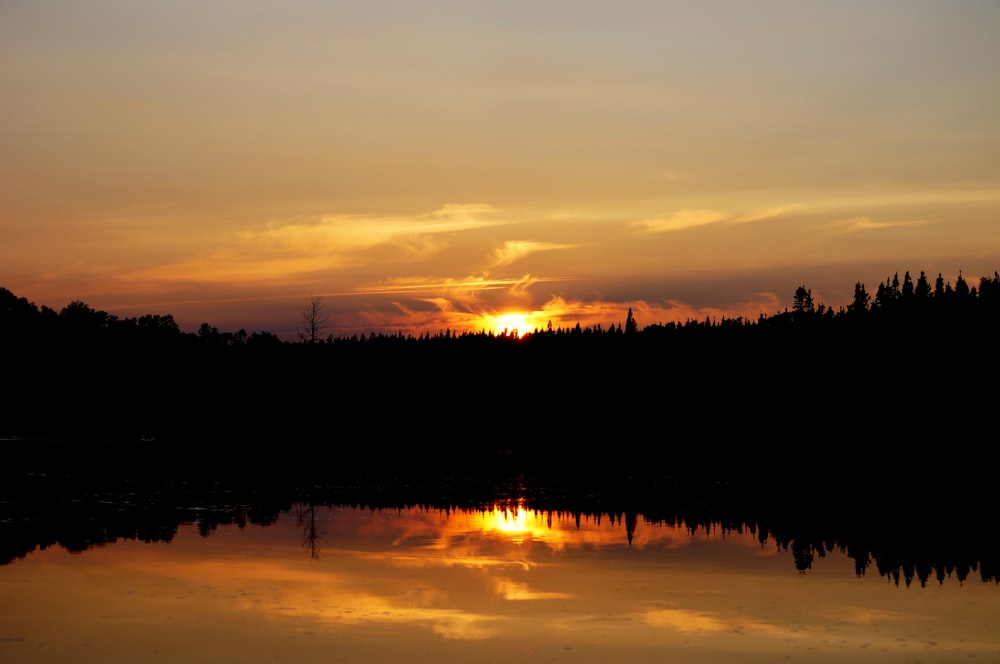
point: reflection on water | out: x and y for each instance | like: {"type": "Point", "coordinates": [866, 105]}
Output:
{"type": "Point", "coordinates": [508, 585]}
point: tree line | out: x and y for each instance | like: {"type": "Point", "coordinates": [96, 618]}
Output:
{"type": "Point", "coordinates": [916, 359]}
{"type": "Point", "coordinates": [23, 322]}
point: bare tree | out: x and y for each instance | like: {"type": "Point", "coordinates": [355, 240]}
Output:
{"type": "Point", "coordinates": [314, 320]}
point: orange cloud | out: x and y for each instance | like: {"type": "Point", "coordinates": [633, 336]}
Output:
{"type": "Point", "coordinates": [515, 250]}
{"type": "Point", "coordinates": [861, 224]}
{"type": "Point", "coordinates": [285, 250]}
{"type": "Point", "coordinates": [771, 213]}
{"type": "Point", "coordinates": [680, 220]}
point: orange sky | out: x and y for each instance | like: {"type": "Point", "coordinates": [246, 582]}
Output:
{"type": "Point", "coordinates": [439, 164]}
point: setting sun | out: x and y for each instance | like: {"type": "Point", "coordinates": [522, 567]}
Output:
{"type": "Point", "coordinates": [514, 323]}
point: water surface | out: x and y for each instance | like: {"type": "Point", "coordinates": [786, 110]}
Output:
{"type": "Point", "coordinates": [338, 584]}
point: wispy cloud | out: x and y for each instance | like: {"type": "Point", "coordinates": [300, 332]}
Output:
{"type": "Point", "coordinates": [693, 217]}
{"type": "Point", "coordinates": [285, 249]}
{"type": "Point", "coordinates": [514, 250]}
{"type": "Point", "coordinates": [520, 287]}
{"type": "Point", "coordinates": [680, 220]}
{"type": "Point", "coordinates": [343, 233]}
{"type": "Point", "coordinates": [771, 213]}
{"type": "Point", "coordinates": [444, 285]}
{"type": "Point", "coordinates": [862, 224]}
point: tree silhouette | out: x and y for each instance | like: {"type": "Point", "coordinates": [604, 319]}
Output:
{"type": "Point", "coordinates": [314, 320]}
{"type": "Point", "coordinates": [861, 299]}
{"type": "Point", "coordinates": [907, 292]}
{"type": "Point", "coordinates": [923, 288]}
{"type": "Point", "coordinates": [961, 287]}
{"type": "Point", "coordinates": [803, 302]}
{"type": "Point", "coordinates": [631, 327]}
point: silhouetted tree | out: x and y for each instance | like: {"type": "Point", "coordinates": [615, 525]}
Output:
{"type": "Point", "coordinates": [81, 319]}
{"type": "Point", "coordinates": [264, 339]}
{"type": "Point", "coordinates": [314, 320]}
{"type": "Point", "coordinates": [861, 299]}
{"type": "Point", "coordinates": [989, 291]}
{"type": "Point", "coordinates": [156, 324]}
{"type": "Point", "coordinates": [631, 327]}
{"type": "Point", "coordinates": [907, 292]}
{"type": "Point", "coordinates": [209, 334]}
{"type": "Point", "coordinates": [961, 287]}
{"type": "Point", "coordinates": [803, 302]}
{"type": "Point", "coordinates": [922, 291]}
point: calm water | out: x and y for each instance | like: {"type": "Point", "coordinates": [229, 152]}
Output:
{"type": "Point", "coordinates": [346, 585]}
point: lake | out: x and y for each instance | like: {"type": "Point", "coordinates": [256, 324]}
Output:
{"type": "Point", "coordinates": [503, 583]}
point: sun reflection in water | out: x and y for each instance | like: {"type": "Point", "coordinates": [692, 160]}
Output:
{"type": "Point", "coordinates": [512, 521]}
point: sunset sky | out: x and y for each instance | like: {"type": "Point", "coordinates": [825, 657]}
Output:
{"type": "Point", "coordinates": [441, 164]}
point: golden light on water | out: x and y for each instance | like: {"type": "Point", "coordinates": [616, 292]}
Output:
{"type": "Point", "coordinates": [556, 532]}
{"type": "Point", "coordinates": [497, 583]}
{"type": "Point", "coordinates": [515, 522]}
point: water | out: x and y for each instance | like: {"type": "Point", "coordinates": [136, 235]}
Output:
{"type": "Point", "coordinates": [345, 585]}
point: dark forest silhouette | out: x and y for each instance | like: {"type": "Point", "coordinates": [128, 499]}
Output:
{"type": "Point", "coordinates": [914, 359]}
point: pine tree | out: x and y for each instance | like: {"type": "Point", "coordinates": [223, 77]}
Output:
{"type": "Point", "coordinates": [631, 327]}
{"type": "Point", "coordinates": [803, 303]}
{"type": "Point", "coordinates": [861, 299]}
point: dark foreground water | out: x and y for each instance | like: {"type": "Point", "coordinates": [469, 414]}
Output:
{"type": "Point", "coordinates": [500, 584]}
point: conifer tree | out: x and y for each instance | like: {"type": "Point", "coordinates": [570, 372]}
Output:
{"type": "Point", "coordinates": [631, 327]}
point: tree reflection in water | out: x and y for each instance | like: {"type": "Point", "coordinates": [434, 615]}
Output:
{"type": "Point", "coordinates": [311, 538]}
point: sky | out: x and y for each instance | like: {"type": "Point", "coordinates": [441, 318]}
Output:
{"type": "Point", "coordinates": [467, 165]}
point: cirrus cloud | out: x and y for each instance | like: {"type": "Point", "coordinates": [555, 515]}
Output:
{"type": "Point", "coordinates": [680, 220]}
{"type": "Point", "coordinates": [514, 250]}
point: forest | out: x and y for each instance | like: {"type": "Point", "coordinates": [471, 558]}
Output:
{"type": "Point", "coordinates": [25, 325]}
{"type": "Point", "coordinates": [907, 375]}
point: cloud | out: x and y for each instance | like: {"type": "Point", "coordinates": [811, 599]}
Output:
{"type": "Point", "coordinates": [515, 250]}
{"type": "Point", "coordinates": [771, 213]}
{"type": "Point", "coordinates": [862, 224]}
{"type": "Point", "coordinates": [680, 220]}
{"type": "Point", "coordinates": [442, 285]}
{"type": "Point", "coordinates": [344, 233]}
{"type": "Point", "coordinates": [694, 217]}
{"type": "Point", "coordinates": [454, 303]}
{"type": "Point", "coordinates": [520, 287]}
{"type": "Point", "coordinates": [285, 250]}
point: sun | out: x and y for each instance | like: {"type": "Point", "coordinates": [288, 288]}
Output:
{"type": "Point", "coordinates": [512, 323]}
